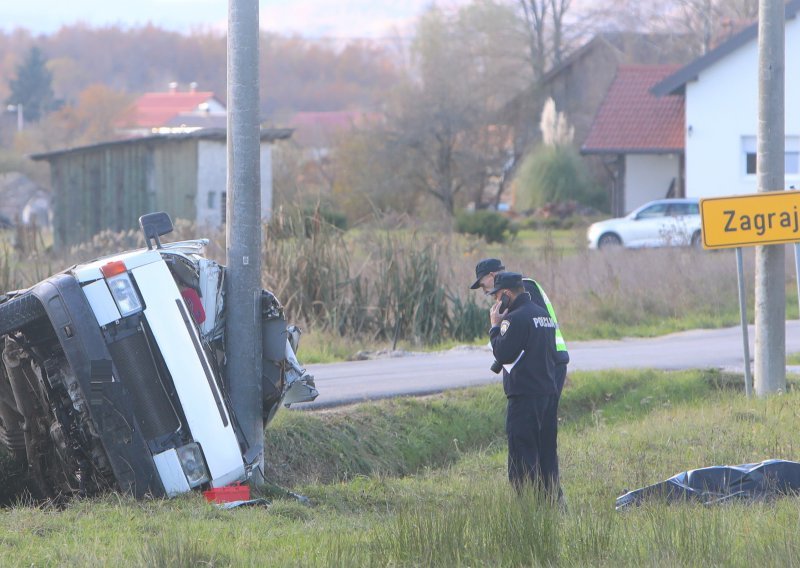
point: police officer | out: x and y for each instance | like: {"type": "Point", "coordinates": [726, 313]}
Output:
{"type": "Point", "coordinates": [485, 271]}
{"type": "Point", "coordinates": [523, 341]}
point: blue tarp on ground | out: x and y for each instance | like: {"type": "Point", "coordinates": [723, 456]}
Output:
{"type": "Point", "coordinates": [714, 484]}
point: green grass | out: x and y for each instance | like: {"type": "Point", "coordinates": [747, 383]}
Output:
{"type": "Point", "coordinates": [412, 496]}
{"type": "Point", "coordinates": [567, 241]}
{"type": "Point", "coordinates": [325, 347]}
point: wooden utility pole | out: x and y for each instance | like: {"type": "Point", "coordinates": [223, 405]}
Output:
{"type": "Point", "coordinates": [770, 291]}
{"type": "Point", "coordinates": [243, 230]}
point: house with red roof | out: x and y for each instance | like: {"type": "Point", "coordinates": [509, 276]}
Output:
{"type": "Point", "coordinates": [175, 112]}
{"type": "Point", "coordinates": [640, 137]}
{"type": "Point", "coordinates": [720, 127]}
{"type": "Point", "coordinates": [691, 130]}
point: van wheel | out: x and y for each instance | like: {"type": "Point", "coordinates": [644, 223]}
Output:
{"type": "Point", "coordinates": [697, 240]}
{"type": "Point", "coordinates": [609, 240]}
{"type": "Point", "coordinates": [19, 312]}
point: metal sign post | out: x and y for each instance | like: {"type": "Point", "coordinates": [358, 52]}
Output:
{"type": "Point", "coordinates": [749, 220]}
{"type": "Point", "coordinates": [748, 379]}
{"type": "Point", "coordinates": [797, 270]}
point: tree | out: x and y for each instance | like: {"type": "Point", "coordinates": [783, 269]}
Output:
{"type": "Point", "coordinates": [546, 47]}
{"type": "Point", "coordinates": [372, 177]}
{"type": "Point", "coordinates": [711, 21]}
{"type": "Point", "coordinates": [96, 116]}
{"type": "Point", "coordinates": [32, 87]}
{"type": "Point", "coordinates": [435, 112]}
{"type": "Point", "coordinates": [554, 171]}
{"type": "Point", "coordinates": [701, 24]}
{"type": "Point", "coordinates": [441, 121]}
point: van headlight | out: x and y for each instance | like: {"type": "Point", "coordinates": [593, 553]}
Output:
{"type": "Point", "coordinates": [193, 464]}
{"type": "Point", "coordinates": [124, 294]}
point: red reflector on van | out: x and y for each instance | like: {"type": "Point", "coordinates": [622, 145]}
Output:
{"type": "Point", "coordinates": [227, 494]}
{"type": "Point", "coordinates": [113, 268]}
{"type": "Point", "coordinates": [195, 304]}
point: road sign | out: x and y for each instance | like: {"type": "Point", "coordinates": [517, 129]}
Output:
{"type": "Point", "coordinates": [767, 218]}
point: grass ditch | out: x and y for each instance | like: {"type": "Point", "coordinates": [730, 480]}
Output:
{"type": "Point", "coordinates": [402, 436]}
{"type": "Point", "coordinates": [421, 508]}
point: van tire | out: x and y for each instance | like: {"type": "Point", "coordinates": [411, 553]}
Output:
{"type": "Point", "coordinates": [19, 312]}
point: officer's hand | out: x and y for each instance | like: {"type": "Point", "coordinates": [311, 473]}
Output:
{"type": "Point", "coordinates": [495, 315]}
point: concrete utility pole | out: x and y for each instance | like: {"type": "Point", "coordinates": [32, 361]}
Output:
{"type": "Point", "coordinates": [243, 229]}
{"type": "Point", "coordinates": [770, 346]}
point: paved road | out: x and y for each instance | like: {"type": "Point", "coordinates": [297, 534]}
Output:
{"type": "Point", "coordinates": [342, 383]}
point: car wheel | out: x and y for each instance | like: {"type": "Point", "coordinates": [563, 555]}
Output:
{"type": "Point", "coordinates": [697, 240]}
{"type": "Point", "coordinates": [609, 240]}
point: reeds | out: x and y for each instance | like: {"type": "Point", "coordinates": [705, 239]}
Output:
{"type": "Point", "coordinates": [385, 286]}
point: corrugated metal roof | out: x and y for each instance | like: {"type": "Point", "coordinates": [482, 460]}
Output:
{"type": "Point", "coordinates": [633, 120]}
{"type": "Point", "coordinates": [267, 135]}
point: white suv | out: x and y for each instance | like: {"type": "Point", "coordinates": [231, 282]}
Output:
{"type": "Point", "coordinates": [666, 222]}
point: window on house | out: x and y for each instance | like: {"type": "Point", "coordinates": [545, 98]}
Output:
{"type": "Point", "coordinates": [212, 202]}
{"type": "Point", "coordinates": [791, 157]}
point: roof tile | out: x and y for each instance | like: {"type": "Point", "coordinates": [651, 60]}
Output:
{"type": "Point", "coordinates": [156, 109]}
{"type": "Point", "coordinates": [633, 120]}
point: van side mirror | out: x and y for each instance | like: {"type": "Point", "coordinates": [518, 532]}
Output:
{"type": "Point", "coordinates": [153, 226]}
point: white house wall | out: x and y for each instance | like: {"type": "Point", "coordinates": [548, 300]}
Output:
{"type": "Point", "coordinates": [648, 177]}
{"type": "Point", "coordinates": [722, 108]}
{"type": "Point", "coordinates": [212, 158]}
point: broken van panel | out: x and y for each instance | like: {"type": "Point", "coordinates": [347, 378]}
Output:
{"type": "Point", "coordinates": [110, 374]}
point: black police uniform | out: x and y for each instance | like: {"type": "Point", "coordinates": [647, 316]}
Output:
{"type": "Point", "coordinates": [549, 457]}
{"type": "Point", "coordinates": [525, 343]}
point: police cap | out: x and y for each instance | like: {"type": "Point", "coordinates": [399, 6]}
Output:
{"type": "Point", "coordinates": [484, 267]}
{"type": "Point", "coordinates": [506, 281]}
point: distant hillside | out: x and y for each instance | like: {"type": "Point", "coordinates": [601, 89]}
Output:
{"type": "Point", "coordinates": [297, 74]}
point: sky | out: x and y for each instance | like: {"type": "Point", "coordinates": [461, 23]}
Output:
{"type": "Point", "coordinates": [309, 18]}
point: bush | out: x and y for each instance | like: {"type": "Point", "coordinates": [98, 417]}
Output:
{"type": "Point", "coordinates": [468, 321]}
{"type": "Point", "coordinates": [490, 225]}
{"type": "Point", "coordinates": [555, 174]}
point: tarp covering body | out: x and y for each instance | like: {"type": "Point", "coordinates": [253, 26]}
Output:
{"type": "Point", "coordinates": [714, 484]}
